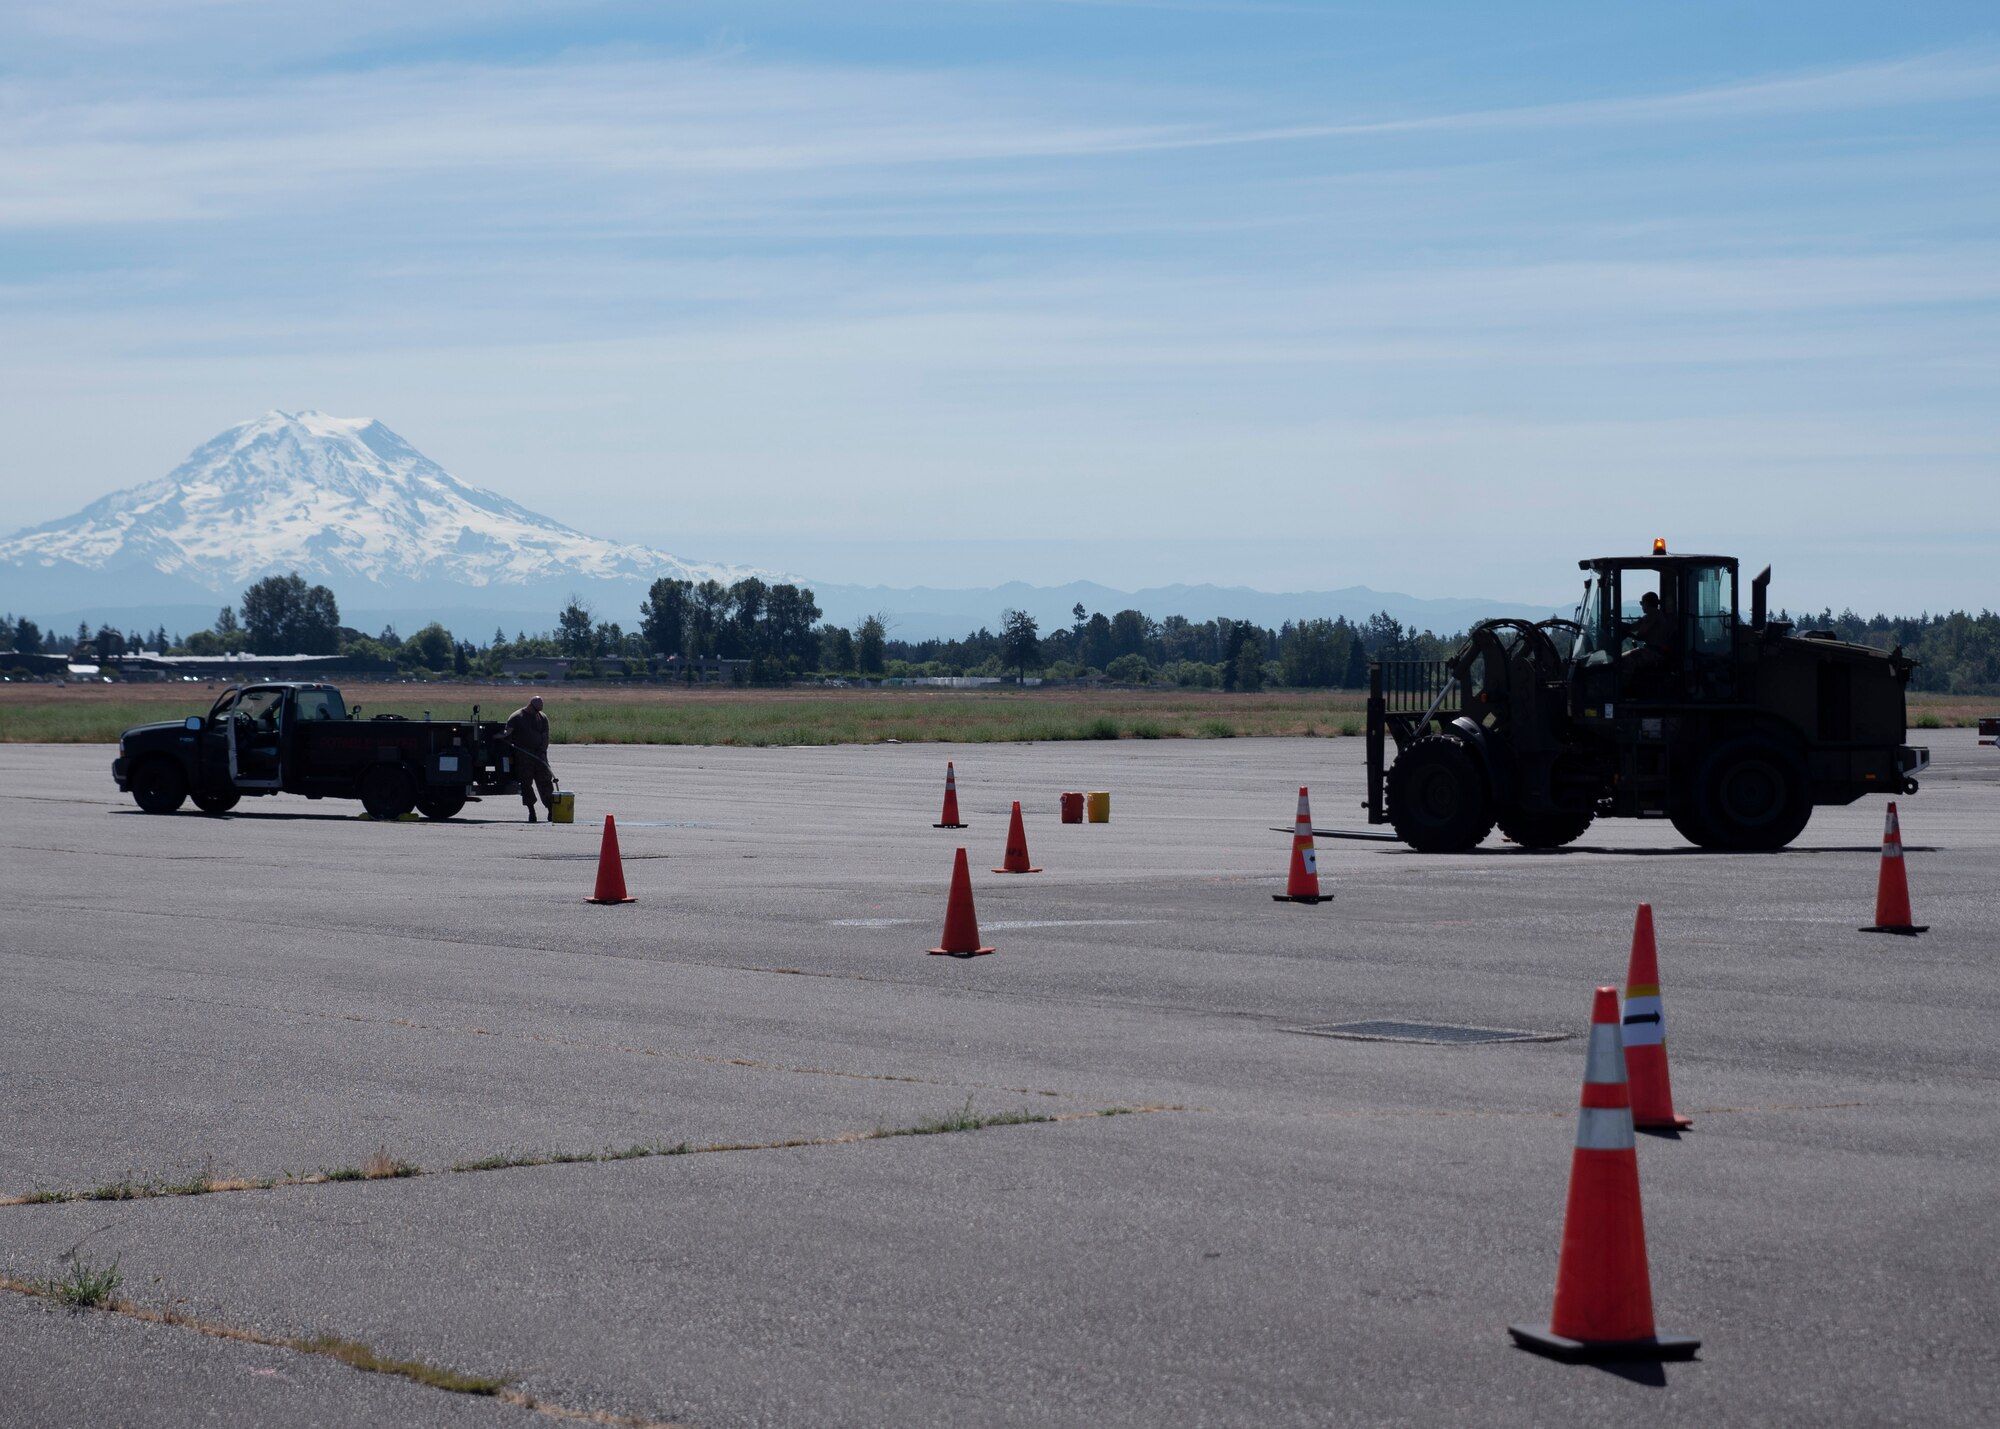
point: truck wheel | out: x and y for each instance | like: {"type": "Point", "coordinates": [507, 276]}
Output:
{"type": "Point", "coordinates": [388, 791]}
{"type": "Point", "coordinates": [440, 803]}
{"type": "Point", "coordinates": [1751, 795]}
{"type": "Point", "coordinates": [1437, 796]}
{"type": "Point", "coordinates": [217, 803]}
{"type": "Point", "coordinates": [1550, 830]}
{"type": "Point", "coordinates": [158, 786]}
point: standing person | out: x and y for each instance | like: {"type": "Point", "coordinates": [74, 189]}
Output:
{"type": "Point", "coordinates": [528, 732]}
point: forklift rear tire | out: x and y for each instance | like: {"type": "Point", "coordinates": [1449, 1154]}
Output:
{"type": "Point", "coordinates": [440, 803]}
{"type": "Point", "coordinates": [217, 803]}
{"type": "Point", "coordinates": [158, 786]}
{"type": "Point", "coordinates": [1690, 827]}
{"type": "Point", "coordinates": [1548, 830]}
{"type": "Point", "coordinates": [388, 791]}
{"type": "Point", "coordinates": [1751, 795]}
{"type": "Point", "coordinates": [1438, 800]}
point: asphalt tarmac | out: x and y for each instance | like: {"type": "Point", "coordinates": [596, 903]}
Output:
{"type": "Point", "coordinates": [1282, 1228]}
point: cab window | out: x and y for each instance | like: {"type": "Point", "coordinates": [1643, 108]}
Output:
{"type": "Point", "coordinates": [1711, 608]}
{"type": "Point", "coordinates": [260, 707]}
{"type": "Point", "coordinates": [321, 704]}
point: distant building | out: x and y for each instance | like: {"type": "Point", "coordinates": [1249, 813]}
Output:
{"type": "Point", "coordinates": [707, 671]}
{"type": "Point", "coordinates": [549, 667]}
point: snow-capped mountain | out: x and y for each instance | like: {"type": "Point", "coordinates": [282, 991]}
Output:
{"type": "Point", "coordinates": [342, 500]}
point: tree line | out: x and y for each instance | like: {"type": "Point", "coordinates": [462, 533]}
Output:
{"type": "Point", "coordinates": [773, 633]}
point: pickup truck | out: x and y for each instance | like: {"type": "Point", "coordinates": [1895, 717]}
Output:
{"type": "Point", "coordinates": [295, 738]}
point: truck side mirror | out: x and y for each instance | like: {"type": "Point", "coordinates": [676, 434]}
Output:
{"type": "Point", "coordinates": [1758, 588]}
{"type": "Point", "coordinates": [191, 722]}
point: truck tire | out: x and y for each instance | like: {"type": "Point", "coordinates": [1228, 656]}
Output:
{"type": "Point", "coordinates": [1438, 801]}
{"type": "Point", "coordinates": [213, 803]}
{"type": "Point", "coordinates": [159, 786]}
{"type": "Point", "coordinates": [1547, 830]}
{"type": "Point", "coordinates": [440, 803]}
{"type": "Point", "coordinates": [388, 791]}
{"type": "Point", "coordinates": [1751, 795]}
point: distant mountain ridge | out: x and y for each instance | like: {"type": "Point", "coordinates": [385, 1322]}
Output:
{"type": "Point", "coordinates": [343, 500]}
{"type": "Point", "coordinates": [347, 502]}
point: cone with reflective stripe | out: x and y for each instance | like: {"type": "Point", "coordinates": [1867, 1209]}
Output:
{"type": "Point", "coordinates": [1017, 846]}
{"type": "Point", "coordinates": [1303, 884]}
{"type": "Point", "coordinates": [1604, 1299]}
{"type": "Point", "coordinates": [610, 869]}
{"type": "Point", "coordinates": [1892, 889]}
{"type": "Point", "coordinates": [950, 815]}
{"type": "Point", "coordinates": [961, 924]}
{"type": "Point", "coordinates": [1644, 1030]}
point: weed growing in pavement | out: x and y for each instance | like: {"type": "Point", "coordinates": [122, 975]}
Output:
{"type": "Point", "coordinates": [499, 1161]}
{"type": "Point", "coordinates": [39, 1197]}
{"type": "Point", "coordinates": [126, 1190]}
{"type": "Point", "coordinates": [344, 1173]}
{"type": "Point", "coordinates": [964, 1119]}
{"type": "Point", "coordinates": [1116, 1111]}
{"type": "Point", "coordinates": [356, 1355]}
{"type": "Point", "coordinates": [85, 1287]}
{"type": "Point", "coordinates": [383, 1167]}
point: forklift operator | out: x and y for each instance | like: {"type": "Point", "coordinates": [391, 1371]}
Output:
{"type": "Point", "coordinates": [1654, 633]}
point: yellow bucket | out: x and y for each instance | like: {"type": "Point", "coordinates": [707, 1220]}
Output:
{"type": "Point", "coordinates": [565, 810]}
{"type": "Point", "coordinates": [1098, 801]}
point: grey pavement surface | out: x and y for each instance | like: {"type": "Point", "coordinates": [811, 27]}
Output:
{"type": "Point", "coordinates": [1312, 1231]}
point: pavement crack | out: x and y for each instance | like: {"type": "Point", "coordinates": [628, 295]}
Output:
{"type": "Point", "coordinates": [354, 1354]}
{"type": "Point", "coordinates": [382, 1167]}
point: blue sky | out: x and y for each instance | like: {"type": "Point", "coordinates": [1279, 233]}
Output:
{"type": "Point", "coordinates": [1430, 298]}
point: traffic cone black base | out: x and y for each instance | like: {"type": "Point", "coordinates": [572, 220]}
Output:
{"type": "Point", "coordinates": [1909, 932]}
{"type": "Point", "coordinates": [1544, 1341]}
{"type": "Point", "coordinates": [951, 826]}
{"type": "Point", "coordinates": [1302, 898]}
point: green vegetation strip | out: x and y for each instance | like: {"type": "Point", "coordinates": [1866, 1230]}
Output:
{"type": "Point", "coordinates": [37, 714]}
{"type": "Point", "coordinates": [42, 714]}
{"type": "Point", "coordinates": [381, 1166]}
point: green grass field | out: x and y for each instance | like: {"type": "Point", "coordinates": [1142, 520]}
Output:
{"type": "Point", "coordinates": [97, 715]}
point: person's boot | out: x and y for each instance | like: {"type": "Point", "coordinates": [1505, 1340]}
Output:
{"type": "Point", "coordinates": [531, 813]}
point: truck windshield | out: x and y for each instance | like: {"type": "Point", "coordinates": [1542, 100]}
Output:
{"type": "Point", "coordinates": [321, 704]}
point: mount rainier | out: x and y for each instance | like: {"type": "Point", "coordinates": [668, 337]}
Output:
{"type": "Point", "coordinates": [342, 500]}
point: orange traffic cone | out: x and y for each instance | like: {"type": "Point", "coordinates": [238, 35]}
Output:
{"type": "Point", "coordinates": [961, 924]}
{"type": "Point", "coordinates": [1017, 846]}
{"type": "Point", "coordinates": [1303, 884]}
{"type": "Point", "coordinates": [1892, 889]}
{"type": "Point", "coordinates": [610, 869]}
{"type": "Point", "coordinates": [950, 814]}
{"type": "Point", "coordinates": [1604, 1300]}
{"type": "Point", "coordinates": [1645, 1034]}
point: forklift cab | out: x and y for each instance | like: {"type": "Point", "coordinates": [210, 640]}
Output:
{"type": "Point", "coordinates": [1681, 652]}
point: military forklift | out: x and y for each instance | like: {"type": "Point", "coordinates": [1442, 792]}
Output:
{"type": "Point", "coordinates": [1655, 702]}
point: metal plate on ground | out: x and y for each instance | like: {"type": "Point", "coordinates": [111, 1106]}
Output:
{"type": "Point", "coordinates": [1443, 1034]}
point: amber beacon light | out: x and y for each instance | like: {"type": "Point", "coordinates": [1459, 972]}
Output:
{"type": "Point", "coordinates": [1659, 545]}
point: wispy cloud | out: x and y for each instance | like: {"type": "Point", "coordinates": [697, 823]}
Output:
{"type": "Point", "coordinates": [175, 154]}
